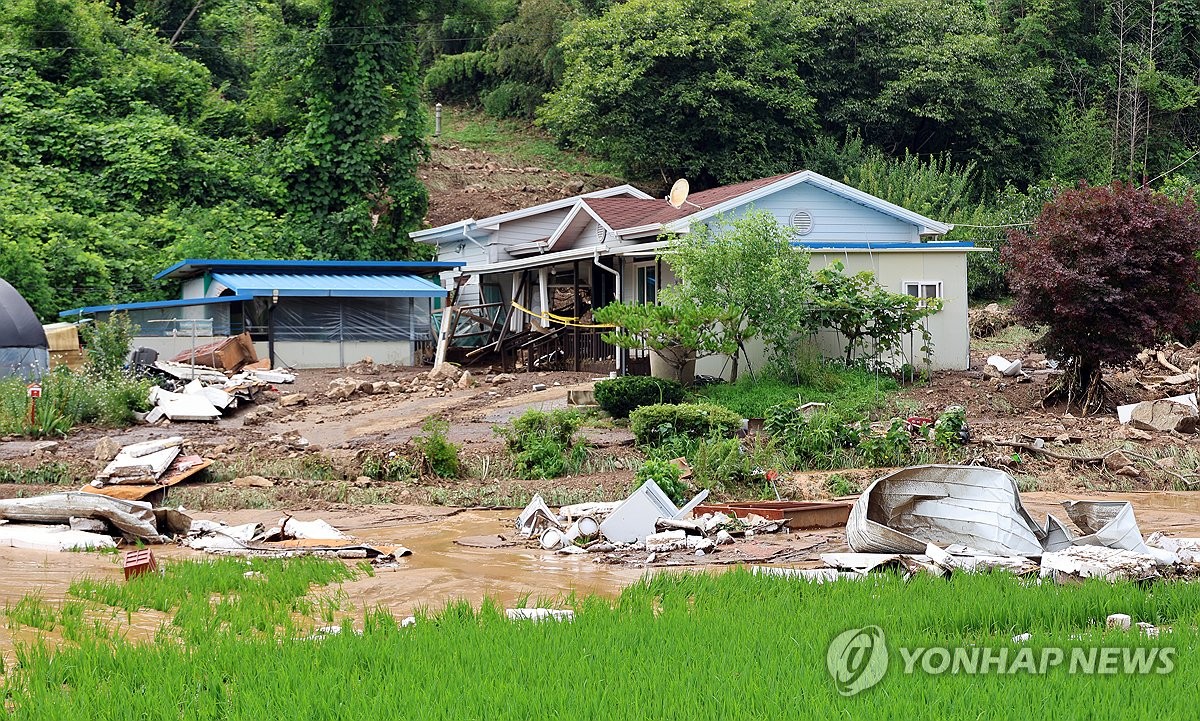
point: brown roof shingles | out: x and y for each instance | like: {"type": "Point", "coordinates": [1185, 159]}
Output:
{"type": "Point", "coordinates": [625, 212]}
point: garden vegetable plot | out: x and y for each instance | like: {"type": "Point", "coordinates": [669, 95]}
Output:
{"type": "Point", "coordinates": [733, 645]}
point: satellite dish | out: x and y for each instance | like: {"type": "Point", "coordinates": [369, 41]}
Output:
{"type": "Point", "coordinates": [679, 193]}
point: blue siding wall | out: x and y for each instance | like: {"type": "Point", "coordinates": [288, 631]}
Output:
{"type": "Point", "coordinates": [834, 218]}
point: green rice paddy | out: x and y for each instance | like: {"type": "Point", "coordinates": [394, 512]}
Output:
{"type": "Point", "coordinates": [239, 645]}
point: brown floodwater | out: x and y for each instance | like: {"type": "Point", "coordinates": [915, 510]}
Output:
{"type": "Point", "coordinates": [440, 570]}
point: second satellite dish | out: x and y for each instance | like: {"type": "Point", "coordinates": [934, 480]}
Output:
{"type": "Point", "coordinates": [679, 193]}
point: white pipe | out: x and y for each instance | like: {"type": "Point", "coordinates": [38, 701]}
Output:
{"type": "Point", "coordinates": [617, 286]}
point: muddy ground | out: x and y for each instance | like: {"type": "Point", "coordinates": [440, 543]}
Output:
{"type": "Point", "coordinates": [324, 479]}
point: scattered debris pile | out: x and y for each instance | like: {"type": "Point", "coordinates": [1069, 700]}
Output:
{"type": "Point", "coordinates": [1170, 365]}
{"type": "Point", "coordinates": [647, 527]}
{"type": "Point", "coordinates": [140, 469]}
{"type": "Point", "coordinates": [205, 393]}
{"type": "Point", "coordinates": [74, 520]}
{"type": "Point", "coordinates": [942, 519]}
{"type": "Point", "coordinates": [434, 383]}
{"type": "Point", "coordinates": [989, 320]}
{"type": "Point", "coordinates": [290, 538]}
{"type": "Point", "coordinates": [229, 354]}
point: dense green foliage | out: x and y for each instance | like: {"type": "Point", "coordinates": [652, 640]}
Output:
{"type": "Point", "coordinates": [502, 669]}
{"type": "Point", "coordinates": [666, 475]}
{"type": "Point", "coordinates": [747, 266]}
{"type": "Point", "coordinates": [137, 132]}
{"type": "Point", "coordinates": [620, 396]}
{"type": "Point", "coordinates": [121, 153]}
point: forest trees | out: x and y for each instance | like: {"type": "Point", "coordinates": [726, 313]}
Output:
{"type": "Point", "coordinates": [354, 166]}
{"type": "Point", "coordinates": [695, 88]}
{"type": "Point", "coordinates": [1109, 270]}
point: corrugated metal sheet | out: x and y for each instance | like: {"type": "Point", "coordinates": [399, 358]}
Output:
{"type": "Point", "coordinates": [331, 285]}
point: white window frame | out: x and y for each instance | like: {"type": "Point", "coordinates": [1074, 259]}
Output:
{"type": "Point", "coordinates": [921, 286]}
{"type": "Point", "coordinates": [639, 287]}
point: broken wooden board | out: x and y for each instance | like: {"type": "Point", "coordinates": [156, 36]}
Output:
{"type": "Point", "coordinates": [149, 466]}
{"type": "Point", "coordinates": [136, 492]}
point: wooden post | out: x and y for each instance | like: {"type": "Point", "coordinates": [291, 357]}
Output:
{"type": "Point", "coordinates": [544, 296]}
{"type": "Point", "coordinates": [448, 313]}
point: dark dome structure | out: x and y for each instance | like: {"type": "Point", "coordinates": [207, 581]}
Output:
{"type": "Point", "coordinates": [24, 351]}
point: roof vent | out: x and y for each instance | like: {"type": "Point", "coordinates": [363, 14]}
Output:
{"type": "Point", "coordinates": [802, 222]}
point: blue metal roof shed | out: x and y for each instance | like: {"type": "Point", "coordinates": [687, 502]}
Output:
{"type": "Point", "coordinates": [318, 302]}
{"type": "Point", "coordinates": [311, 285]}
{"type": "Point", "coordinates": [193, 267]}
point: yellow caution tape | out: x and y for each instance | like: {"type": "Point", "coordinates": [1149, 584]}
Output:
{"type": "Point", "coordinates": [562, 319]}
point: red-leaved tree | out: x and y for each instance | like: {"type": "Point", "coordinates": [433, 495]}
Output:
{"type": "Point", "coordinates": [1110, 270]}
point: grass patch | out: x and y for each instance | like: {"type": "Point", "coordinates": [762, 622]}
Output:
{"type": "Point", "coordinates": [309, 467]}
{"type": "Point", "coordinates": [467, 662]}
{"type": "Point", "coordinates": [849, 391]}
{"type": "Point", "coordinates": [228, 595]}
{"type": "Point", "coordinates": [54, 473]}
{"type": "Point", "coordinates": [524, 143]}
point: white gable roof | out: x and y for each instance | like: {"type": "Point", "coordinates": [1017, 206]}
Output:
{"type": "Point", "coordinates": [454, 229]}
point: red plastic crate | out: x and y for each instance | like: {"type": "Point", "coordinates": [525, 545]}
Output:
{"type": "Point", "coordinates": [138, 562]}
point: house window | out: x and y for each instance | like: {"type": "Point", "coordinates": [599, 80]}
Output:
{"type": "Point", "coordinates": [923, 289]}
{"type": "Point", "coordinates": [647, 284]}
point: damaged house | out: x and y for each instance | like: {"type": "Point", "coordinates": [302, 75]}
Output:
{"type": "Point", "coordinates": [299, 313]}
{"type": "Point", "coordinates": [529, 278]}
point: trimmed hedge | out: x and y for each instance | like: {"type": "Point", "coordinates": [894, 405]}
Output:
{"type": "Point", "coordinates": [652, 424]}
{"type": "Point", "coordinates": [621, 396]}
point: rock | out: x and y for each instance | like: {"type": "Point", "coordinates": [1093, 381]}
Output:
{"type": "Point", "coordinates": [380, 387]}
{"type": "Point", "coordinates": [538, 387]}
{"type": "Point", "coordinates": [394, 387]}
{"type": "Point", "coordinates": [43, 447]}
{"type": "Point", "coordinates": [363, 481]}
{"type": "Point", "coordinates": [106, 449]}
{"type": "Point", "coordinates": [252, 482]}
{"type": "Point", "coordinates": [293, 399]}
{"type": "Point", "coordinates": [365, 367]}
{"type": "Point", "coordinates": [1167, 462]}
{"type": "Point", "coordinates": [342, 388]}
{"type": "Point", "coordinates": [466, 380]}
{"type": "Point", "coordinates": [503, 378]}
{"type": "Point", "coordinates": [366, 387]}
{"type": "Point", "coordinates": [1117, 461]}
{"type": "Point", "coordinates": [1163, 415]}
{"type": "Point", "coordinates": [1131, 471]}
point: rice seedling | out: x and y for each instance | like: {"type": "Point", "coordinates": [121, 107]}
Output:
{"type": "Point", "coordinates": [705, 646]}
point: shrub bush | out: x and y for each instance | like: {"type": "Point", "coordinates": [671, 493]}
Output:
{"type": "Point", "coordinates": [666, 475]}
{"type": "Point", "coordinates": [652, 424]}
{"type": "Point", "coordinates": [512, 100]}
{"type": "Point", "coordinates": [438, 455]}
{"type": "Point", "coordinates": [621, 396]}
{"type": "Point", "coordinates": [544, 445]}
